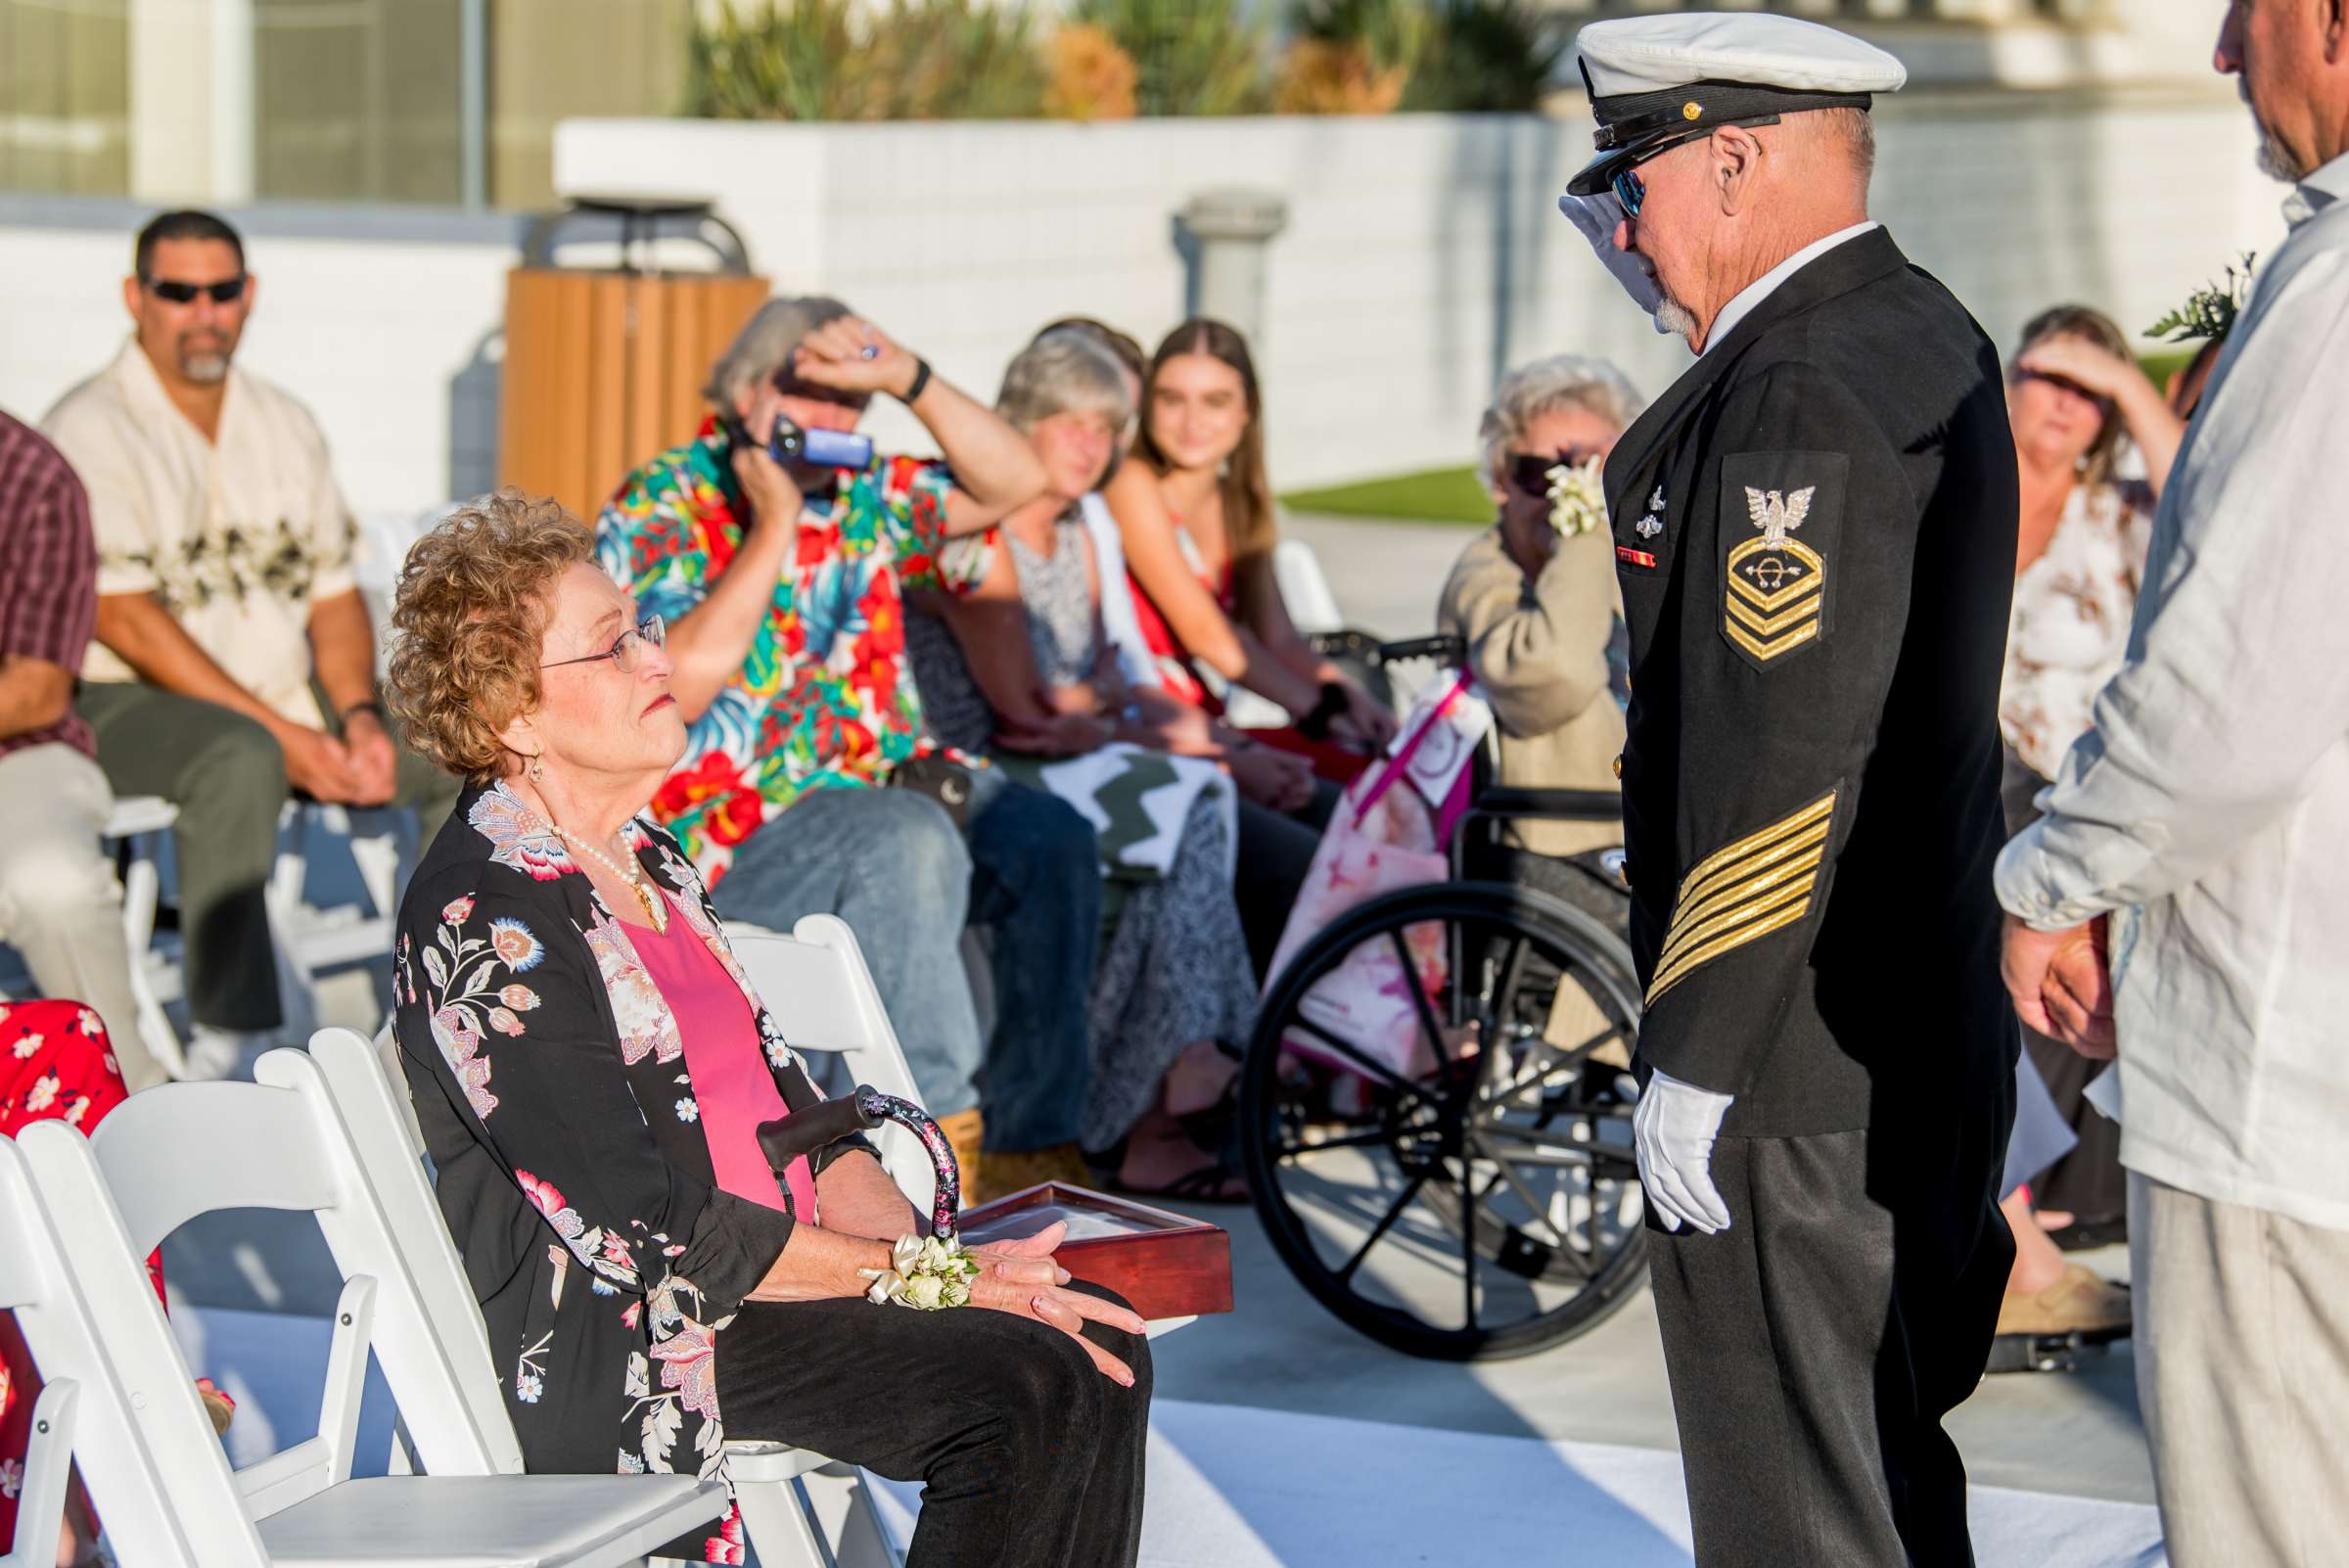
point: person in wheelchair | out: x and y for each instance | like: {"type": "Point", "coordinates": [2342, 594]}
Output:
{"type": "Point", "coordinates": [1534, 604]}
{"type": "Point", "coordinates": [591, 1067]}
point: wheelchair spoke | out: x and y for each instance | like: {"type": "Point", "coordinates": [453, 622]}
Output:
{"type": "Point", "coordinates": [1498, 996]}
{"type": "Point", "coordinates": [1378, 1071]}
{"type": "Point", "coordinates": [1386, 1221]}
{"type": "Point", "coordinates": [1562, 1059]}
{"type": "Point", "coordinates": [1468, 1202]}
{"type": "Point", "coordinates": [1534, 1206]}
{"type": "Point", "coordinates": [1425, 1008]}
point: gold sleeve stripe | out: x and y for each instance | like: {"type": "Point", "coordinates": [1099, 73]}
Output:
{"type": "Point", "coordinates": [1790, 879]}
{"type": "Point", "coordinates": [1759, 884]}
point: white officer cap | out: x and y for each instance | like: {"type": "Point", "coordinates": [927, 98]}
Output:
{"type": "Point", "coordinates": [1656, 81]}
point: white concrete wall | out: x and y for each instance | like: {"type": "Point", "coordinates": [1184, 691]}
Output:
{"type": "Point", "coordinates": [1422, 253]}
{"type": "Point", "coordinates": [384, 322]}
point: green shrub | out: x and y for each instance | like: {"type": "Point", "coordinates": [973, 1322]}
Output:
{"type": "Point", "coordinates": [833, 60]}
{"type": "Point", "coordinates": [1195, 57]}
{"type": "Point", "coordinates": [1486, 56]}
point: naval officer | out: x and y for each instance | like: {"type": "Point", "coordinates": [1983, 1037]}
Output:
{"type": "Point", "coordinates": [1814, 531]}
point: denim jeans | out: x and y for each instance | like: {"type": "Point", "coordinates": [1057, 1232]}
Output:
{"type": "Point", "coordinates": [890, 864]}
{"type": "Point", "coordinates": [1035, 884]}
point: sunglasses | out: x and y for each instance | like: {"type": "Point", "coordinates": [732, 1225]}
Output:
{"type": "Point", "coordinates": [627, 650]}
{"type": "Point", "coordinates": [1631, 190]}
{"type": "Point", "coordinates": [1529, 472]}
{"type": "Point", "coordinates": [226, 292]}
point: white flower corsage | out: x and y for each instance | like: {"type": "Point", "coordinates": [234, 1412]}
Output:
{"type": "Point", "coordinates": [1577, 502]}
{"type": "Point", "coordinates": [924, 1273]}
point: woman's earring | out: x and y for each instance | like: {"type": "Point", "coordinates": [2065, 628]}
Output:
{"type": "Point", "coordinates": [537, 766]}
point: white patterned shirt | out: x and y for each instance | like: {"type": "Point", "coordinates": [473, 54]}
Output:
{"type": "Point", "coordinates": [2213, 794]}
{"type": "Point", "coordinates": [2070, 624]}
{"type": "Point", "coordinates": [239, 537]}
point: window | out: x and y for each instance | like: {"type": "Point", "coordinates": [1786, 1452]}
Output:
{"type": "Point", "coordinates": [64, 96]}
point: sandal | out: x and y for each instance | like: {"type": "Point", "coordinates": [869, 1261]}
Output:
{"type": "Point", "coordinates": [1207, 1183]}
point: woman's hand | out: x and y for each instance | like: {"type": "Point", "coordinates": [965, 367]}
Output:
{"type": "Point", "coordinates": [1022, 1279]}
{"type": "Point", "coordinates": [1060, 735]}
{"type": "Point", "coordinates": [1366, 723]}
{"type": "Point", "coordinates": [1272, 778]}
{"type": "Point", "coordinates": [2085, 365]}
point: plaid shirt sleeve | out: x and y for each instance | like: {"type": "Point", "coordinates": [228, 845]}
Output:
{"type": "Point", "coordinates": [48, 559]}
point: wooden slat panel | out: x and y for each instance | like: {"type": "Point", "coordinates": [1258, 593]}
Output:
{"type": "Point", "coordinates": [648, 362]}
{"type": "Point", "coordinates": [604, 453]}
{"type": "Point", "coordinates": [569, 384]}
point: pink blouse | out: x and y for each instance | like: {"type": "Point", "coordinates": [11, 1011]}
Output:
{"type": "Point", "coordinates": [731, 1084]}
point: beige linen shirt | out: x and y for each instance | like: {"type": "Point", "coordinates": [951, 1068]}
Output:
{"type": "Point", "coordinates": [2208, 809]}
{"type": "Point", "coordinates": [1538, 648]}
{"type": "Point", "coordinates": [238, 538]}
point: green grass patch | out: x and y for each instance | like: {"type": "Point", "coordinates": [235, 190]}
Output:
{"type": "Point", "coordinates": [1437, 496]}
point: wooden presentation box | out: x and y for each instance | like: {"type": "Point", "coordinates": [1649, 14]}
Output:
{"type": "Point", "coordinates": [1166, 1265]}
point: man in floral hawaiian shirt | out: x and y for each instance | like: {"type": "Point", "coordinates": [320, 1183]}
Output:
{"type": "Point", "coordinates": [783, 589]}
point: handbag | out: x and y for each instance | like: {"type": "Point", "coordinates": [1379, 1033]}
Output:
{"type": "Point", "coordinates": [943, 781]}
{"type": "Point", "coordinates": [1389, 832]}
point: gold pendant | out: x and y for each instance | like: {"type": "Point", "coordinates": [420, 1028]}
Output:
{"type": "Point", "coordinates": [653, 907]}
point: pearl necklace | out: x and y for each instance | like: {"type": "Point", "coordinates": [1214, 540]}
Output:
{"type": "Point", "coordinates": [655, 910]}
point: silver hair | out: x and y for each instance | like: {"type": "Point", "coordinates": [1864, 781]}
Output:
{"type": "Point", "coordinates": [764, 343]}
{"type": "Point", "coordinates": [1562, 380]}
{"type": "Point", "coordinates": [1064, 372]}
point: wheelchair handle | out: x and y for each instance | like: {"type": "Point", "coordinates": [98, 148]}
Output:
{"type": "Point", "coordinates": [788, 1138]}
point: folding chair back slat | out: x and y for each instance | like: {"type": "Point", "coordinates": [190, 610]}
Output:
{"type": "Point", "coordinates": [820, 995]}
{"type": "Point", "coordinates": [181, 1150]}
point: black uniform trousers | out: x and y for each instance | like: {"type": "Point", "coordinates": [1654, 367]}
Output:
{"type": "Point", "coordinates": [1815, 1344]}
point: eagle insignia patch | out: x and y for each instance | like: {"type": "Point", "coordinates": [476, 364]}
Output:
{"type": "Point", "coordinates": [1774, 593]}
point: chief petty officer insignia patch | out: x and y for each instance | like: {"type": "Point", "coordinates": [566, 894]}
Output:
{"type": "Point", "coordinates": [1781, 515]}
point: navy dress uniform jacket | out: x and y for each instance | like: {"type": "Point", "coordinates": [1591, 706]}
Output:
{"type": "Point", "coordinates": [1816, 530]}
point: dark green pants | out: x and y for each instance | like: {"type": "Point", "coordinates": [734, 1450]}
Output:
{"type": "Point", "coordinates": [227, 776]}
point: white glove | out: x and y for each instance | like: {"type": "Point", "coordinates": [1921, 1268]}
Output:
{"type": "Point", "coordinates": [1674, 1128]}
{"type": "Point", "coordinates": [1596, 217]}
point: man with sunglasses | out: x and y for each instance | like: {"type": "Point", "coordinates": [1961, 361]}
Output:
{"type": "Point", "coordinates": [1814, 529]}
{"type": "Point", "coordinates": [233, 661]}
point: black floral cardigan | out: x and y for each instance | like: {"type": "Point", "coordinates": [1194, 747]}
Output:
{"type": "Point", "coordinates": [550, 1081]}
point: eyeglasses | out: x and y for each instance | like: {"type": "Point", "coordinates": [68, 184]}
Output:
{"type": "Point", "coordinates": [227, 291]}
{"type": "Point", "coordinates": [628, 650]}
{"type": "Point", "coordinates": [1631, 190]}
{"type": "Point", "coordinates": [1529, 472]}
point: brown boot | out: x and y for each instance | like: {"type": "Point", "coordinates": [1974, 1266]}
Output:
{"type": "Point", "coordinates": [963, 1131]}
{"type": "Point", "coordinates": [1007, 1174]}
{"type": "Point", "coordinates": [2082, 1302]}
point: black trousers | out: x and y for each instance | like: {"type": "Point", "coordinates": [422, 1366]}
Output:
{"type": "Point", "coordinates": [1030, 1457]}
{"type": "Point", "coordinates": [1275, 852]}
{"type": "Point", "coordinates": [1814, 1346]}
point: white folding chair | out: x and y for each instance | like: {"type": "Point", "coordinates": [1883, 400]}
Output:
{"type": "Point", "coordinates": [162, 1483]}
{"type": "Point", "coordinates": [34, 1286]}
{"type": "Point", "coordinates": [134, 823]}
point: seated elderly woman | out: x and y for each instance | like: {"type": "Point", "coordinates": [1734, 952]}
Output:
{"type": "Point", "coordinates": [1535, 599]}
{"type": "Point", "coordinates": [589, 1064]}
{"type": "Point", "coordinates": [1028, 648]}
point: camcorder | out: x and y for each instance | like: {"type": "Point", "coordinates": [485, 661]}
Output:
{"type": "Point", "coordinates": [795, 446]}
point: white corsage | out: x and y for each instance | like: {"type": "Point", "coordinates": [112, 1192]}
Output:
{"type": "Point", "coordinates": [924, 1273]}
{"type": "Point", "coordinates": [1577, 502]}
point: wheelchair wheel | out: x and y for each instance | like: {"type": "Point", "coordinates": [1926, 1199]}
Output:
{"type": "Point", "coordinates": [1482, 1201]}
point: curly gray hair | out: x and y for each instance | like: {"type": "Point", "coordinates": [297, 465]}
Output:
{"type": "Point", "coordinates": [1562, 380]}
{"type": "Point", "coordinates": [765, 341]}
